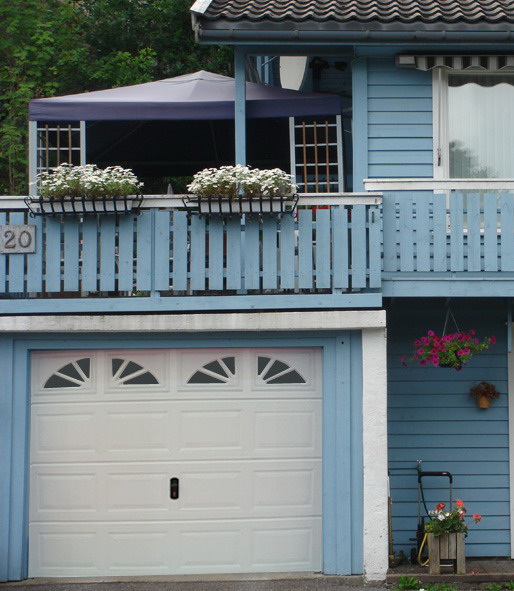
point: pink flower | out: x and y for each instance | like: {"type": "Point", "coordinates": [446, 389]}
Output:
{"type": "Point", "coordinates": [448, 338]}
{"type": "Point", "coordinates": [431, 333]}
{"type": "Point", "coordinates": [417, 343]}
{"type": "Point", "coordinates": [420, 351]}
{"type": "Point", "coordinates": [425, 340]}
{"type": "Point", "coordinates": [423, 363]}
{"type": "Point", "coordinates": [493, 340]}
{"type": "Point", "coordinates": [403, 360]}
{"type": "Point", "coordinates": [435, 361]}
{"type": "Point", "coordinates": [472, 332]}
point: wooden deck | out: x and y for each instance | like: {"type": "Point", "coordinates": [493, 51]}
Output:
{"type": "Point", "coordinates": [485, 570]}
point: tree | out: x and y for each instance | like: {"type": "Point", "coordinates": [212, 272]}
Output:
{"type": "Point", "coordinates": [55, 47]}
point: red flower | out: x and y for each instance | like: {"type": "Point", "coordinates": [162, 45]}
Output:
{"type": "Point", "coordinates": [440, 506]}
{"type": "Point", "coordinates": [477, 517]}
{"type": "Point", "coordinates": [459, 503]}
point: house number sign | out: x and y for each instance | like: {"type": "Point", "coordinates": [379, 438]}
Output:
{"type": "Point", "coordinates": [17, 239]}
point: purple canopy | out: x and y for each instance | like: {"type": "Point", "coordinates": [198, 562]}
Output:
{"type": "Point", "coordinates": [201, 95]}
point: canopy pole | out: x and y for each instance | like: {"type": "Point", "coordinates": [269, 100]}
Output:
{"type": "Point", "coordinates": [33, 156]}
{"type": "Point", "coordinates": [240, 105]}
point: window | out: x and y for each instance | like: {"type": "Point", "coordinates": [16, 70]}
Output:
{"type": "Point", "coordinates": [476, 125]}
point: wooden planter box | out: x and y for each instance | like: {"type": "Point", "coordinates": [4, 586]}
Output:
{"type": "Point", "coordinates": [446, 547]}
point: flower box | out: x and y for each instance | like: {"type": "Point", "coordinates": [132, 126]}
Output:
{"type": "Point", "coordinates": [242, 189]}
{"type": "Point", "coordinates": [86, 189]}
{"type": "Point", "coordinates": [82, 205]}
{"type": "Point", "coordinates": [239, 205]}
{"type": "Point", "coordinates": [450, 546]}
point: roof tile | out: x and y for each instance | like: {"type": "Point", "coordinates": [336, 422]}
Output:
{"type": "Point", "coordinates": [382, 11]}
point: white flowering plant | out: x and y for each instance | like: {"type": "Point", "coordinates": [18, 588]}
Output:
{"type": "Point", "coordinates": [232, 182]}
{"type": "Point", "coordinates": [88, 182]}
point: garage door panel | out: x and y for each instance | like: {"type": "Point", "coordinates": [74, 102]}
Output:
{"type": "Point", "coordinates": [212, 429]}
{"type": "Point", "coordinates": [284, 429]}
{"type": "Point", "coordinates": [182, 430]}
{"type": "Point", "coordinates": [121, 492]}
{"type": "Point", "coordinates": [137, 431]}
{"type": "Point", "coordinates": [290, 546]}
{"type": "Point", "coordinates": [58, 551]}
{"type": "Point", "coordinates": [58, 433]}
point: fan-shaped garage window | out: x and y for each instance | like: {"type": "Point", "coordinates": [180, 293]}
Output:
{"type": "Point", "coordinates": [72, 375]}
{"type": "Point", "coordinates": [273, 371]}
{"type": "Point", "coordinates": [126, 372]}
{"type": "Point", "coordinates": [220, 371]}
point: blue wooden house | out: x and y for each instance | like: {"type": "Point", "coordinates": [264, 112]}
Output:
{"type": "Point", "coordinates": [187, 394]}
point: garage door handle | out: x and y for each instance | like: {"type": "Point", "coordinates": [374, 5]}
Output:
{"type": "Point", "coordinates": [174, 488]}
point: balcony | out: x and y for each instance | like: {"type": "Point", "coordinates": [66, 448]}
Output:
{"type": "Point", "coordinates": [171, 259]}
{"type": "Point", "coordinates": [421, 239]}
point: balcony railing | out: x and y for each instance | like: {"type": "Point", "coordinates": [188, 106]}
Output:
{"type": "Point", "coordinates": [169, 253]}
{"type": "Point", "coordinates": [452, 237]}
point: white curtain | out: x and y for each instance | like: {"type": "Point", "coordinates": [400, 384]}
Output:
{"type": "Point", "coordinates": [481, 125]}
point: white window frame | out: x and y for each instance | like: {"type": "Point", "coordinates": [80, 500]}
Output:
{"type": "Point", "coordinates": [441, 152]}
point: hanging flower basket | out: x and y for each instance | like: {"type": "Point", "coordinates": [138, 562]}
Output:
{"type": "Point", "coordinates": [86, 189]}
{"type": "Point", "coordinates": [241, 189]}
{"type": "Point", "coordinates": [452, 350]}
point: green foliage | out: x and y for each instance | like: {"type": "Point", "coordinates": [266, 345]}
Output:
{"type": "Point", "coordinates": [38, 51]}
{"type": "Point", "coordinates": [56, 47]}
{"type": "Point", "coordinates": [509, 585]}
{"type": "Point", "coordinates": [407, 583]}
{"type": "Point", "coordinates": [440, 587]}
{"type": "Point", "coordinates": [493, 587]}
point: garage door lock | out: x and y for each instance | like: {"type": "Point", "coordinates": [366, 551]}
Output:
{"type": "Point", "coordinates": [174, 488]}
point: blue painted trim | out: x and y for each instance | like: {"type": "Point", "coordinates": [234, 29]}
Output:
{"type": "Point", "coordinates": [509, 328]}
{"type": "Point", "coordinates": [199, 304]}
{"type": "Point", "coordinates": [340, 556]}
{"type": "Point", "coordinates": [360, 123]}
{"type": "Point", "coordinates": [451, 287]}
{"type": "Point", "coordinates": [6, 433]}
{"type": "Point", "coordinates": [240, 105]}
{"type": "Point", "coordinates": [329, 464]}
{"type": "Point", "coordinates": [18, 530]}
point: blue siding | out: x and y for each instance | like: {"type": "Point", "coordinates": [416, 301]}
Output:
{"type": "Point", "coordinates": [399, 121]}
{"type": "Point", "coordinates": [433, 419]}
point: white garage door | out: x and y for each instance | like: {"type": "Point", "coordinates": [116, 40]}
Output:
{"type": "Point", "coordinates": [175, 462]}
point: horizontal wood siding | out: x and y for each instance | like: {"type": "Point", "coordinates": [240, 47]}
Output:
{"type": "Point", "coordinates": [432, 418]}
{"type": "Point", "coordinates": [399, 121]}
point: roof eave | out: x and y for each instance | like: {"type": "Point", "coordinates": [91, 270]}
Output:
{"type": "Point", "coordinates": [321, 33]}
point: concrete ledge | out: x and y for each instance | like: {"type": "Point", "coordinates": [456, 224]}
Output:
{"type": "Point", "coordinates": [221, 322]}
